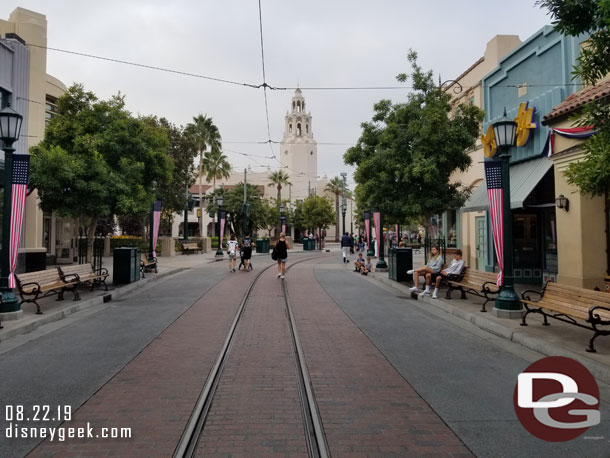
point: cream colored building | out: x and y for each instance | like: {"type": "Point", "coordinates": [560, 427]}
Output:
{"type": "Point", "coordinates": [24, 27]}
{"type": "Point", "coordinates": [465, 230]}
{"type": "Point", "coordinates": [582, 240]}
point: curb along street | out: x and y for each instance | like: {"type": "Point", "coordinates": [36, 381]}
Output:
{"type": "Point", "coordinates": [599, 370]}
{"type": "Point", "coordinates": [77, 306]}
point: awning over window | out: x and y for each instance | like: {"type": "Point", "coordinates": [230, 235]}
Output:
{"type": "Point", "coordinates": [523, 179]}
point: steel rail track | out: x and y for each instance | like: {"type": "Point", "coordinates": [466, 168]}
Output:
{"type": "Point", "coordinates": [315, 438]}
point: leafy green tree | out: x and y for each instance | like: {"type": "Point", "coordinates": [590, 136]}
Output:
{"type": "Point", "coordinates": [233, 205]}
{"type": "Point", "coordinates": [97, 159]}
{"type": "Point", "coordinates": [317, 213]}
{"type": "Point", "coordinates": [335, 186]}
{"type": "Point", "coordinates": [576, 17]}
{"type": "Point", "coordinates": [406, 154]}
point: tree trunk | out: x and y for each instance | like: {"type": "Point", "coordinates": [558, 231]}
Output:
{"type": "Point", "coordinates": [90, 236]}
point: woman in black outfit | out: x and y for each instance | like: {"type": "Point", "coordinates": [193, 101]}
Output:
{"type": "Point", "coordinates": [281, 251]}
{"type": "Point", "coordinates": [247, 244]}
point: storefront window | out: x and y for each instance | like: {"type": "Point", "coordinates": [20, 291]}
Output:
{"type": "Point", "coordinates": [550, 241]}
{"type": "Point", "coordinates": [451, 234]}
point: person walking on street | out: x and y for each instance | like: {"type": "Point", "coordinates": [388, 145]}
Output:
{"type": "Point", "coordinates": [346, 243]}
{"type": "Point", "coordinates": [281, 253]}
{"type": "Point", "coordinates": [232, 249]}
{"type": "Point", "coordinates": [247, 242]}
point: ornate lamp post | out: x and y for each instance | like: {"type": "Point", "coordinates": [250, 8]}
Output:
{"type": "Point", "coordinates": [381, 264]}
{"type": "Point", "coordinates": [10, 128]}
{"type": "Point", "coordinates": [282, 219]}
{"type": "Point", "coordinates": [507, 303]}
{"type": "Point", "coordinates": [219, 202]}
{"type": "Point", "coordinates": [343, 212]}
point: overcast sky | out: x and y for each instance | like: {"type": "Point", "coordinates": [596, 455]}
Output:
{"type": "Point", "coordinates": [312, 44]}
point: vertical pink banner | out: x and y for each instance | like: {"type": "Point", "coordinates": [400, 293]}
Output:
{"type": "Point", "coordinates": [223, 216]}
{"type": "Point", "coordinates": [367, 224]}
{"type": "Point", "coordinates": [377, 221]}
{"type": "Point", "coordinates": [396, 232]}
{"type": "Point", "coordinates": [156, 222]}
{"type": "Point", "coordinates": [19, 188]}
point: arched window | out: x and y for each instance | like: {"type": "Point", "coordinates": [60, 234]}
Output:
{"type": "Point", "coordinates": [299, 106]}
{"type": "Point", "coordinates": [306, 128]}
{"type": "Point", "coordinates": [289, 128]}
{"type": "Point", "coordinates": [298, 129]}
{"type": "Point", "coordinates": [293, 105]}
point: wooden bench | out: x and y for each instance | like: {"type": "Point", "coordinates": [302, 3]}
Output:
{"type": "Point", "coordinates": [84, 275]}
{"type": "Point", "coordinates": [476, 282]}
{"type": "Point", "coordinates": [36, 285]}
{"type": "Point", "coordinates": [187, 247]}
{"type": "Point", "coordinates": [570, 304]}
{"type": "Point", "coordinates": [146, 265]}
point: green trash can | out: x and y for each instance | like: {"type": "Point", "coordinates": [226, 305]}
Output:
{"type": "Point", "coordinates": [126, 265]}
{"type": "Point", "coordinates": [309, 244]}
{"type": "Point", "coordinates": [400, 260]}
{"type": "Point", "coordinates": [262, 245]}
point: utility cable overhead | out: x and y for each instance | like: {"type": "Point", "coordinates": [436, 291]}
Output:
{"type": "Point", "coordinates": [264, 85]}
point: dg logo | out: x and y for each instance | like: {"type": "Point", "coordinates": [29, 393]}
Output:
{"type": "Point", "coordinates": [557, 399]}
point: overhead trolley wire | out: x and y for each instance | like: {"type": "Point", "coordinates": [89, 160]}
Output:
{"type": "Point", "coordinates": [264, 85]}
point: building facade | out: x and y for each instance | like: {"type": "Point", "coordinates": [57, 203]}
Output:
{"type": "Point", "coordinates": [32, 93]}
{"type": "Point", "coordinates": [536, 76]}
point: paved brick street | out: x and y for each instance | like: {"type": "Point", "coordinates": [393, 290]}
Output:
{"type": "Point", "coordinates": [389, 377]}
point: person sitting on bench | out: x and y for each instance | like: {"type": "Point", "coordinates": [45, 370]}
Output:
{"type": "Point", "coordinates": [434, 266]}
{"type": "Point", "coordinates": [452, 272]}
{"type": "Point", "coordinates": [358, 263]}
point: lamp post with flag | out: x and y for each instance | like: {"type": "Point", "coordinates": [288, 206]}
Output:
{"type": "Point", "coordinates": [221, 223]}
{"type": "Point", "coordinates": [497, 176]}
{"type": "Point", "coordinates": [155, 220]}
{"type": "Point", "coordinates": [16, 172]}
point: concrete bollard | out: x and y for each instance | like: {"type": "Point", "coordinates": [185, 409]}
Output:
{"type": "Point", "coordinates": [107, 246]}
{"type": "Point", "coordinates": [168, 246]}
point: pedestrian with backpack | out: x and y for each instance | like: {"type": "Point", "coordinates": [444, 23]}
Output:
{"type": "Point", "coordinates": [247, 243]}
{"type": "Point", "coordinates": [232, 246]}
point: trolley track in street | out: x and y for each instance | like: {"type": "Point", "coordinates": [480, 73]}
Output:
{"type": "Point", "coordinates": [315, 438]}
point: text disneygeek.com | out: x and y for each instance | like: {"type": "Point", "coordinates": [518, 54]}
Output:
{"type": "Point", "coordinates": [62, 433]}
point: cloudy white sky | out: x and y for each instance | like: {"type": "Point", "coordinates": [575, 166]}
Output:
{"type": "Point", "coordinates": [340, 43]}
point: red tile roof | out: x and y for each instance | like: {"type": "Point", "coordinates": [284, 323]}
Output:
{"type": "Point", "coordinates": [578, 99]}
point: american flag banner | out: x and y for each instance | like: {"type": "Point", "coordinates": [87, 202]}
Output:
{"type": "Point", "coordinates": [367, 224]}
{"type": "Point", "coordinates": [493, 177]}
{"type": "Point", "coordinates": [377, 222]}
{"type": "Point", "coordinates": [223, 217]}
{"type": "Point", "coordinates": [156, 222]}
{"type": "Point", "coordinates": [19, 189]}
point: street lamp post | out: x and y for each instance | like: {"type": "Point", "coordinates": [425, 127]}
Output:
{"type": "Point", "coordinates": [10, 128]}
{"type": "Point", "coordinates": [219, 202]}
{"type": "Point", "coordinates": [282, 220]}
{"type": "Point", "coordinates": [381, 264]}
{"type": "Point", "coordinates": [185, 236]}
{"type": "Point", "coordinates": [507, 303]}
{"type": "Point", "coordinates": [343, 212]}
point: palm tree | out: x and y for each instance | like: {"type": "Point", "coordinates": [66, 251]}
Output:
{"type": "Point", "coordinates": [279, 179]}
{"type": "Point", "coordinates": [335, 186]}
{"type": "Point", "coordinates": [216, 165]}
{"type": "Point", "coordinates": [203, 132]}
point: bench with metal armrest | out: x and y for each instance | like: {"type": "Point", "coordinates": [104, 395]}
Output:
{"type": "Point", "coordinates": [477, 283]}
{"type": "Point", "coordinates": [581, 307]}
{"type": "Point", "coordinates": [36, 285]}
{"type": "Point", "coordinates": [85, 275]}
{"type": "Point", "coordinates": [146, 265]}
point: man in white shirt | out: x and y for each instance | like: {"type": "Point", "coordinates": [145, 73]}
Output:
{"type": "Point", "coordinates": [455, 269]}
{"type": "Point", "coordinates": [232, 248]}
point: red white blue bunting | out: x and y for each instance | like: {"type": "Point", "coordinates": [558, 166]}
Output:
{"type": "Point", "coordinates": [580, 133]}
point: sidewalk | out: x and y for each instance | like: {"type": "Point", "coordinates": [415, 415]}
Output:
{"type": "Point", "coordinates": [558, 339]}
{"type": "Point", "coordinates": [53, 310]}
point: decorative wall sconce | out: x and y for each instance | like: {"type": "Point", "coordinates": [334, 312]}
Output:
{"type": "Point", "coordinates": [562, 202]}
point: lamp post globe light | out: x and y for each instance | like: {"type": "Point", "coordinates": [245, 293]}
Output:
{"type": "Point", "coordinates": [508, 303]}
{"type": "Point", "coordinates": [219, 202]}
{"type": "Point", "coordinates": [10, 128]}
